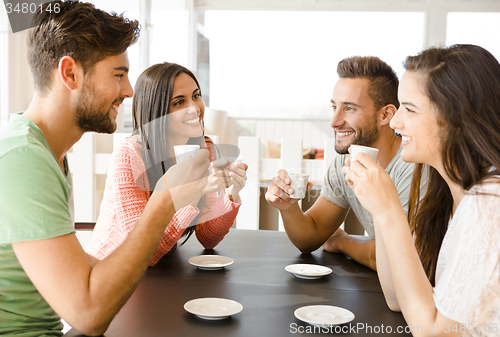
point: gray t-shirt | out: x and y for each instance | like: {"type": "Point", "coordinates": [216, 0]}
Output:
{"type": "Point", "coordinates": [337, 191]}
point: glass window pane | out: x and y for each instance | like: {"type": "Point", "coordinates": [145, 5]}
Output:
{"type": "Point", "coordinates": [474, 28]}
{"type": "Point", "coordinates": [285, 62]}
{"type": "Point", "coordinates": [169, 36]}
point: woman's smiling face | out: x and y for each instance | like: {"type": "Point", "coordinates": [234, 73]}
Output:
{"type": "Point", "coordinates": [417, 120]}
{"type": "Point", "coordinates": [186, 111]}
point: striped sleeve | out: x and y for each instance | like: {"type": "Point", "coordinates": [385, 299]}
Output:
{"type": "Point", "coordinates": [217, 216]}
{"type": "Point", "coordinates": [182, 218]}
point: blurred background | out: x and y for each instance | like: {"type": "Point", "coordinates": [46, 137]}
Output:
{"type": "Point", "coordinates": [270, 58]}
{"type": "Point", "coordinates": [266, 68]}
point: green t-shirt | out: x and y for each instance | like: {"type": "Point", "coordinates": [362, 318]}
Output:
{"type": "Point", "coordinates": [35, 203]}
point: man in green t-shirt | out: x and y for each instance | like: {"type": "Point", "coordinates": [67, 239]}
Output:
{"type": "Point", "coordinates": [80, 66]}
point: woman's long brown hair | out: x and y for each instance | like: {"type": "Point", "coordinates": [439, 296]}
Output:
{"type": "Point", "coordinates": [463, 83]}
{"type": "Point", "coordinates": [150, 107]}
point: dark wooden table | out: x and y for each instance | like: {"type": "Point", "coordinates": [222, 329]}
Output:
{"type": "Point", "coordinates": [258, 280]}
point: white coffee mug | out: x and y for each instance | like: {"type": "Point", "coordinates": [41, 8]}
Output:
{"type": "Point", "coordinates": [183, 152]}
{"type": "Point", "coordinates": [299, 185]}
{"type": "Point", "coordinates": [371, 151]}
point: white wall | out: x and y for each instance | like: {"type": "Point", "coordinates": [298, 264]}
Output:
{"type": "Point", "coordinates": [435, 10]}
{"type": "Point", "coordinates": [20, 79]}
{"type": "Point", "coordinates": [4, 63]}
{"type": "Point", "coordinates": [16, 84]}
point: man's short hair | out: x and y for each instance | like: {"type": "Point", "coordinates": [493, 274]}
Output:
{"type": "Point", "coordinates": [79, 30]}
{"type": "Point", "coordinates": [383, 88]}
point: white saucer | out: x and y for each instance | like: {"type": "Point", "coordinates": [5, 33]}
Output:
{"type": "Point", "coordinates": [324, 315]}
{"type": "Point", "coordinates": [213, 308]}
{"type": "Point", "coordinates": [308, 271]}
{"type": "Point", "coordinates": [210, 262]}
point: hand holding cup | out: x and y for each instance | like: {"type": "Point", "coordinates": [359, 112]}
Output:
{"type": "Point", "coordinates": [299, 184]}
{"type": "Point", "coordinates": [371, 151]}
{"type": "Point", "coordinates": [279, 193]}
{"type": "Point", "coordinates": [187, 180]}
{"type": "Point", "coordinates": [237, 173]}
{"type": "Point", "coordinates": [218, 179]}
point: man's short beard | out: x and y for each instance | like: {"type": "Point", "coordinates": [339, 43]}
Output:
{"type": "Point", "coordinates": [91, 114]}
{"type": "Point", "coordinates": [367, 136]}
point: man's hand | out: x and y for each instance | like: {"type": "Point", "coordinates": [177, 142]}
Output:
{"type": "Point", "coordinates": [331, 245]}
{"type": "Point", "coordinates": [278, 193]}
{"type": "Point", "coordinates": [361, 250]}
{"type": "Point", "coordinates": [186, 181]}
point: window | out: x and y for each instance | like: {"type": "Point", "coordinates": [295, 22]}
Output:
{"type": "Point", "coordinates": [277, 62]}
{"type": "Point", "coordinates": [169, 37]}
{"type": "Point", "coordinates": [474, 28]}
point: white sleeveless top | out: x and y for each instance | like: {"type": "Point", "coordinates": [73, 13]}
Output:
{"type": "Point", "coordinates": [468, 267]}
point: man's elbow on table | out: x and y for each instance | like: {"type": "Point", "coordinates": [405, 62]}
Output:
{"type": "Point", "coordinates": [306, 249]}
{"type": "Point", "coordinates": [90, 325]}
{"type": "Point", "coordinates": [89, 318]}
{"type": "Point", "coordinates": [306, 246]}
{"type": "Point", "coordinates": [303, 247]}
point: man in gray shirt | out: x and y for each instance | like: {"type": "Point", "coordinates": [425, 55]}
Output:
{"type": "Point", "coordinates": [337, 191]}
{"type": "Point", "coordinates": [364, 101]}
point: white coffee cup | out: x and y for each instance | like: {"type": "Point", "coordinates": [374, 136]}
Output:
{"type": "Point", "coordinates": [299, 185]}
{"type": "Point", "coordinates": [183, 152]}
{"type": "Point", "coordinates": [371, 151]}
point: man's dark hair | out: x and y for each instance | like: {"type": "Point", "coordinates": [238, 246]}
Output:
{"type": "Point", "coordinates": [383, 88]}
{"type": "Point", "coordinates": [79, 30]}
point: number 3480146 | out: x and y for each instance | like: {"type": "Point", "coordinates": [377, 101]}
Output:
{"type": "Point", "coordinates": [32, 8]}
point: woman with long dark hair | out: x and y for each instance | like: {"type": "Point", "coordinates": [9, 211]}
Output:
{"type": "Point", "coordinates": [440, 265]}
{"type": "Point", "coordinates": [167, 110]}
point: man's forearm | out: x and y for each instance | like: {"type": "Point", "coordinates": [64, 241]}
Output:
{"type": "Point", "coordinates": [361, 251]}
{"type": "Point", "coordinates": [130, 261]}
{"type": "Point", "coordinates": [88, 294]}
{"type": "Point", "coordinates": [301, 229]}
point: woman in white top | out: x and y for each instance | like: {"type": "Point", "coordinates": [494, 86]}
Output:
{"type": "Point", "coordinates": [442, 269]}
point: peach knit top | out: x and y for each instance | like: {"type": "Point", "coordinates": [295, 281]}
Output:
{"type": "Point", "coordinates": [124, 202]}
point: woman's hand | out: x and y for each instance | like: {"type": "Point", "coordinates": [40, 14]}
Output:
{"type": "Point", "coordinates": [372, 185]}
{"type": "Point", "coordinates": [238, 178]}
{"type": "Point", "coordinates": [219, 179]}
